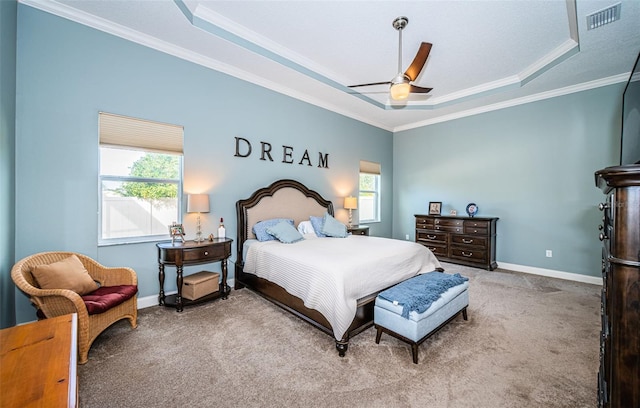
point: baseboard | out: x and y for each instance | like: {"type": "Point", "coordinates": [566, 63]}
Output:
{"type": "Point", "coordinates": [152, 300]}
{"type": "Point", "coordinates": [594, 280]}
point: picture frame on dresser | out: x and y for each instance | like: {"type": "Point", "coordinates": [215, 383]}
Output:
{"type": "Point", "coordinates": [435, 207]}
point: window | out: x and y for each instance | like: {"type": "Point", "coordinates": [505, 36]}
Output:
{"type": "Point", "coordinates": [369, 195]}
{"type": "Point", "coordinates": [140, 179]}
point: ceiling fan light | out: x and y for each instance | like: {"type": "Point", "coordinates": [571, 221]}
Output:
{"type": "Point", "coordinates": [400, 91]}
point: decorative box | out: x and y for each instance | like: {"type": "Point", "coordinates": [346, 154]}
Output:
{"type": "Point", "coordinates": [199, 284]}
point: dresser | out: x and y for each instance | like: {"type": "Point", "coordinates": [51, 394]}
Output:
{"type": "Point", "coordinates": [467, 241]}
{"type": "Point", "coordinates": [38, 364]}
{"type": "Point", "coordinates": [619, 371]}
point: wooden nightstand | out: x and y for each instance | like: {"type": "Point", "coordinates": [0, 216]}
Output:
{"type": "Point", "coordinates": [358, 230]}
{"type": "Point", "coordinates": [192, 253]}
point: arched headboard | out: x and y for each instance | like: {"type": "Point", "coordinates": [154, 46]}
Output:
{"type": "Point", "coordinates": [282, 199]}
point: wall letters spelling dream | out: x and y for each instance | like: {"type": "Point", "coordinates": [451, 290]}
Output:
{"type": "Point", "coordinates": [243, 149]}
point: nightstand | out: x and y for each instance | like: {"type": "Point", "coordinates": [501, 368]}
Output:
{"type": "Point", "coordinates": [192, 253]}
{"type": "Point", "coordinates": [358, 230]}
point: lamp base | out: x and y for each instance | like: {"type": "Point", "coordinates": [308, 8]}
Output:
{"type": "Point", "coordinates": [350, 218]}
{"type": "Point", "coordinates": [198, 232]}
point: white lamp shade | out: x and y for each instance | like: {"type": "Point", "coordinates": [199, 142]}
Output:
{"type": "Point", "coordinates": [198, 203]}
{"type": "Point", "coordinates": [351, 203]}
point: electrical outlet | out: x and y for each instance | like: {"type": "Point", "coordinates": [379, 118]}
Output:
{"type": "Point", "coordinates": [549, 253]}
{"type": "Point", "coordinates": [406, 237]}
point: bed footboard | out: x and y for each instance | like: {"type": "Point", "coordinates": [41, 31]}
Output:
{"type": "Point", "coordinates": [292, 304]}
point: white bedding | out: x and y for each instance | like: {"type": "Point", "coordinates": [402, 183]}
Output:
{"type": "Point", "coordinates": [331, 274]}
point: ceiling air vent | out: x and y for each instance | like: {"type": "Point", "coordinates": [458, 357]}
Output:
{"type": "Point", "coordinates": [604, 16]}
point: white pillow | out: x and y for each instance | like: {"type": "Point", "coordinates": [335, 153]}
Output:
{"type": "Point", "coordinates": [305, 227]}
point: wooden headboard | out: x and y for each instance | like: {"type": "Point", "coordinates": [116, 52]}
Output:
{"type": "Point", "coordinates": [282, 199]}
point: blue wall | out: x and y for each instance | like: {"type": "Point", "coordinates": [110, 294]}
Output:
{"type": "Point", "coordinates": [67, 73]}
{"type": "Point", "coordinates": [8, 10]}
{"type": "Point", "coordinates": [531, 165]}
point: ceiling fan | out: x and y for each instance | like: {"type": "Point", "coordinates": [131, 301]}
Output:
{"type": "Point", "coordinates": [401, 85]}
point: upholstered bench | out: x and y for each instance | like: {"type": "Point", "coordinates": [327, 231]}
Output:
{"type": "Point", "coordinates": [428, 302]}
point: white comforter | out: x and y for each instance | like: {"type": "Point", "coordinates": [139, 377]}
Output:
{"type": "Point", "coordinates": [331, 274]}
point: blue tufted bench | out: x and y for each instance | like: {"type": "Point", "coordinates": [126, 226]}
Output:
{"type": "Point", "coordinates": [419, 325]}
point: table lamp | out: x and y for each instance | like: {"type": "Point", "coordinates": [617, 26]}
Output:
{"type": "Point", "coordinates": [198, 203]}
{"type": "Point", "coordinates": [350, 203]}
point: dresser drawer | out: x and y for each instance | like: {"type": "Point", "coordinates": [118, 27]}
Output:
{"type": "Point", "coordinates": [449, 228]}
{"type": "Point", "coordinates": [466, 240]}
{"type": "Point", "coordinates": [426, 237]}
{"type": "Point", "coordinates": [476, 255]}
{"type": "Point", "coordinates": [424, 223]}
{"type": "Point", "coordinates": [448, 222]}
{"type": "Point", "coordinates": [437, 250]}
{"type": "Point", "coordinates": [203, 254]}
{"type": "Point", "coordinates": [476, 224]}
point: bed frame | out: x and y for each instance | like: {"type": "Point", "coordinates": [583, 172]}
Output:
{"type": "Point", "coordinates": [290, 199]}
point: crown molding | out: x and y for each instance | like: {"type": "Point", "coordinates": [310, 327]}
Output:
{"type": "Point", "coordinates": [218, 25]}
{"type": "Point", "coordinates": [518, 101]}
{"type": "Point", "coordinates": [63, 11]}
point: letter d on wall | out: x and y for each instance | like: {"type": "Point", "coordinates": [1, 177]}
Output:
{"type": "Point", "coordinates": [248, 146]}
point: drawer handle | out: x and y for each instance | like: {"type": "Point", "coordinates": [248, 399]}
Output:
{"type": "Point", "coordinates": [467, 241]}
{"type": "Point", "coordinates": [431, 236]}
{"type": "Point", "coordinates": [206, 253]}
{"type": "Point", "coordinates": [602, 237]}
{"type": "Point", "coordinates": [467, 254]}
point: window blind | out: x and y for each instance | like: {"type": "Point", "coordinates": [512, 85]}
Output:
{"type": "Point", "coordinates": [369, 167]}
{"type": "Point", "coordinates": [124, 131]}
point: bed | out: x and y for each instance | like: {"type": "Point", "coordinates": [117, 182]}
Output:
{"type": "Point", "coordinates": [336, 295]}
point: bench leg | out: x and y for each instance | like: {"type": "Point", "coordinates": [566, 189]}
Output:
{"type": "Point", "coordinates": [378, 334]}
{"type": "Point", "coordinates": [414, 352]}
{"type": "Point", "coordinates": [464, 313]}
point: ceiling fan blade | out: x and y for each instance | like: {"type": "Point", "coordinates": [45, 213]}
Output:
{"type": "Point", "coordinates": [373, 83]}
{"type": "Point", "coordinates": [418, 62]}
{"type": "Point", "coordinates": [419, 89]}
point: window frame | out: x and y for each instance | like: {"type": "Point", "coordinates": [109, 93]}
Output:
{"type": "Point", "coordinates": [123, 179]}
{"type": "Point", "coordinates": [376, 200]}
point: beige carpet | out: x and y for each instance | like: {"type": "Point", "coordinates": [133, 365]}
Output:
{"type": "Point", "coordinates": [530, 341]}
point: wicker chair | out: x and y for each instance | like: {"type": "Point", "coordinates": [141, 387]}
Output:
{"type": "Point", "coordinates": [57, 302]}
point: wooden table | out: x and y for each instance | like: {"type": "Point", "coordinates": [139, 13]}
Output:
{"type": "Point", "coordinates": [179, 254]}
{"type": "Point", "coordinates": [38, 363]}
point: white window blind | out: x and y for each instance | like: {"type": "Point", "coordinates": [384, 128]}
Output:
{"type": "Point", "coordinates": [123, 131]}
{"type": "Point", "coordinates": [369, 167]}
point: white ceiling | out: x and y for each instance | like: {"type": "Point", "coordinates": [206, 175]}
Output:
{"type": "Point", "coordinates": [486, 54]}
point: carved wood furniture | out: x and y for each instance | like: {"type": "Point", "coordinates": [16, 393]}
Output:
{"type": "Point", "coordinates": [179, 254]}
{"type": "Point", "coordinates": [619, 373]}
{"type": "Point", "coordinates": [38, 363]}
{"type": "Point", "coordinates": [467, 241]}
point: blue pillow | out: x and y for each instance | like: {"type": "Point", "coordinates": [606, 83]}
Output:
{"type": "Point", "coordinates": [285, 233]}
{"type": "Point", "coordinates": [317, 223]}
{"type": "Point", "coordinates": [333, 228]}
{"type": "Point", "coordinates": [260, 229]}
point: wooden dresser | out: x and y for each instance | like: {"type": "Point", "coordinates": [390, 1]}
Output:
{"type": "Point", "coordinates": [38, 364]}
{"type": "Point", "coordinates": [468, 241]}
{"type": "Point", "coordinates": [619, 374]}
